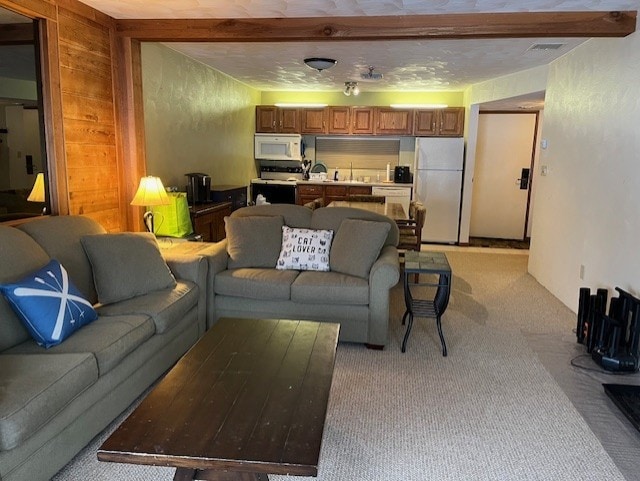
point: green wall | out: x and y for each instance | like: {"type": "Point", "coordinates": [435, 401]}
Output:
{"type": "Point", "coordinates": [196, 120]}
{"type": "Point", "coordinates": [453, 99]}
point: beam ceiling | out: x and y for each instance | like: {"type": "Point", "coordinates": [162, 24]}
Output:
{"type": "Point", "coordinates": [413, 27]}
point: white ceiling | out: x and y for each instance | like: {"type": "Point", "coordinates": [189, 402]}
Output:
{"type": "Point", "coordinates": [406, 65]}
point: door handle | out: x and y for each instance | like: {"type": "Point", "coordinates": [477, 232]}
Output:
{"type": "Point", "coordinates": [523, 181]}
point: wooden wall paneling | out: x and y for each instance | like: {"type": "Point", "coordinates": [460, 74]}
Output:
{"type": "Point", "coordinates": [89, 116]}
{"type": "Point", "coordinates": [130, 120]}
{"type": "Point", "coordinates": [53, 119]}
{"type": "Point", "coordinates": [32, 8]}
{"type": "Point", "coordinates": [85, 11]}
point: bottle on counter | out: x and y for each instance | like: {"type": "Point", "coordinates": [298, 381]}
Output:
{"type": "Point", "coordinates": [335, 175]}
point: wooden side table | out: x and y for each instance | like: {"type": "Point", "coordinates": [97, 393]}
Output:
{"type": "Point", "coordinates": [416, 263]}
{"type": "Point", "coordinates": [208, 220]}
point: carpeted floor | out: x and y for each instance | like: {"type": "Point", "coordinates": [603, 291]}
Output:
{"type": "Point", "coordinates": [488, 411]}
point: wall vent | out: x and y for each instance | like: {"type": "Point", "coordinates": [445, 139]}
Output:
{"type": "Point", "coordinates": [546, 46]}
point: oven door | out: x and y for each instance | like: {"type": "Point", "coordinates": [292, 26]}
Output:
{"type": "Point", "coordinates": [275, 193]}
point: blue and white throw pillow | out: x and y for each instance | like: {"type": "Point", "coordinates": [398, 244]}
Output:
{"type": "Point", "coordinates": [49, 305]}
{"type": "Point", "coordinates": [304, 249]}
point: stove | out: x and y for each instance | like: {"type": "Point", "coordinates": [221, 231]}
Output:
{"type": "Point", "coordinates": [275, 172]}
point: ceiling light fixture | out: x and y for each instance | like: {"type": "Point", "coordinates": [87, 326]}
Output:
{"type": "Point", "coordinates": [370, 75]}
{"type": "Point", "coordinates": [319, 63]}
{"type": "Point", "coordinates": [351, 88]}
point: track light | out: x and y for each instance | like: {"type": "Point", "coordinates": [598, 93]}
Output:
{"type": "Point", "coordinates": [351, 88]}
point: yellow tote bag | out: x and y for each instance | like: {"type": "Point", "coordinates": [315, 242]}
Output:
{"type": "Point", "coordinates": [172, 220]}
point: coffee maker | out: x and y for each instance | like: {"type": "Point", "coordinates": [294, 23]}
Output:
{"type": "Point", "coordinates": [198, 188]}
{"type": "Point", "coordinates": [402, 175]}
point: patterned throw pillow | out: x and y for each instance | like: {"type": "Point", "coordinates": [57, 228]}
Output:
{"type": "Point", "coordinates": [49, 305]}
{"type": "Point", "coordinates": [305, 249]}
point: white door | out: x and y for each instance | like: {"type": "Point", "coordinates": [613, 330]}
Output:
{"type": "Point", "coordinates": [505, 147]}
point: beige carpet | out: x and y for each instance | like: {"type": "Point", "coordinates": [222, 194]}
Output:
{"type": "Point", "coordinates": [488, 411]}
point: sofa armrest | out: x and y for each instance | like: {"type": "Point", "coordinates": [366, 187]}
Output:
{"type": "Point", "coordinates": [186, 266]}
{"type": "Point", "coordinates": [385, 273]}
{"type": "Point", "coordinates": [192, 268]}
{"type": "Point", "coordinates": [218, 257]}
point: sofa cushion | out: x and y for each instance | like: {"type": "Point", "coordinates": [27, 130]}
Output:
{"type": "Point", "coordinates": [126, 265]}
{"type": "Point", "coordinates": [269, 284]}
{"type": "Point", "coordinates": [253, 241]}
{"type": "Point", "coordinates": [357, 245]}
{"type": "Point", "coordinates": [167, 307]}
{"type": "Point", "coordinates": [49, 304]}
{"type": "Point", "coordinates": [60, 237]}
{"type": "Point", "coordinates": [109, 339]}
{"type": "Point", "coordinates": [20, 255]}
{"type": "Point", "coordinates": [332, 218]}
{"type": "Point", "coordinates": [305, 249]}
{"type": "Point", "coordinates": [330, 288]}
{"type": "Point", "coordinates": [35, 387]}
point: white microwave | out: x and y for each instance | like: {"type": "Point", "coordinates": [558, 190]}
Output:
{"type": "Point", "coordinates": [278, 147]}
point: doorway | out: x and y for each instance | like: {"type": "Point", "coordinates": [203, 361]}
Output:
{"type": "Point", "coordinates": [502, 176]}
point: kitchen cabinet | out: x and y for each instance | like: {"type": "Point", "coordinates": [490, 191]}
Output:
{"type": "Point", "coordinates": [308, 192]}
{"type": "Point", "coordinates": [271, 119]}
{"type": "Point", "coordinates": [236, 194]}
{"type": "Point", "coordinates": [394, 121]}
{"type": "Point", "coordinates": [335, 192]}
{"type": "Point", "coordinates": [208, 220]}
{"type": "Point", "coordinates": [351, 120]}
{"type": "Point", "coordinates": [339, 120]}
{"type": "Point", "coordinates": [266, 118]}
{"type": "Point", "coordinates": [329, 192]}
{"type": "Point", "coordinates": [314, 121]}
{"type": "Point", "coordinates": [447, 122]}
{"type": "Point", "coordinates": [362, 120]}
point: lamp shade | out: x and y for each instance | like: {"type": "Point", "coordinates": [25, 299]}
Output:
{"type": "Point", "coordinates": [37, 192]}
{"type": "Point", "coordinates": [150, 192]}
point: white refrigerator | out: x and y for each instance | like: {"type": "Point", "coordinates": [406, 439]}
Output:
{"type": "Point", "coordinates": [438, 185]}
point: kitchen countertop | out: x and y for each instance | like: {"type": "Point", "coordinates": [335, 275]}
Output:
{"type": "Point", "coordinates": [328, 182]}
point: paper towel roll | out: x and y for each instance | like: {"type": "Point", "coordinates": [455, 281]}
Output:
{"type": "Point", "coordinates": [388, 172]}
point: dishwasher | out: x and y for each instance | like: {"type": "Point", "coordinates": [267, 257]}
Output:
{"type": "Point", "coordinates": [401, 195]}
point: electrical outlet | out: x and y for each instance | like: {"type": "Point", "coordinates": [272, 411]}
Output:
{"type": "Point", "coordinates": [582, 271]}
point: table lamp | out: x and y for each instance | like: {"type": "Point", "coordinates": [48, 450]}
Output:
{"type": "Point", "coordinates": [37, 191]}
{"type": "Point", "coordinates": [150, 192]}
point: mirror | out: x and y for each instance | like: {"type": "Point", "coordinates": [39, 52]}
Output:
{"type": "Point", "coordinates": [22, 153]}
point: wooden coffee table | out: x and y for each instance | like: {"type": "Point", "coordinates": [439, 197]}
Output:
{"type": "Point", "coordinates": [249, 398]}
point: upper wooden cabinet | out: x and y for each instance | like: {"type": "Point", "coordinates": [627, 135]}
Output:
{"type": "Point", "coordinates": [266, 118]}
{"type": "Point", "coordinates": [314, 120]}
{"type": "Point", "coordinates": [271, 119]}
{"type": "Point", "coordinates": [394, 121]}
{"type": "Point", "coordinates": [351, 120]}
{"type": "Point", "coordinates": [362, 120]}
{"type": "Point", "coordinates": [447, 122]}
{"type": "Point", "coordinates": [339, 120]}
